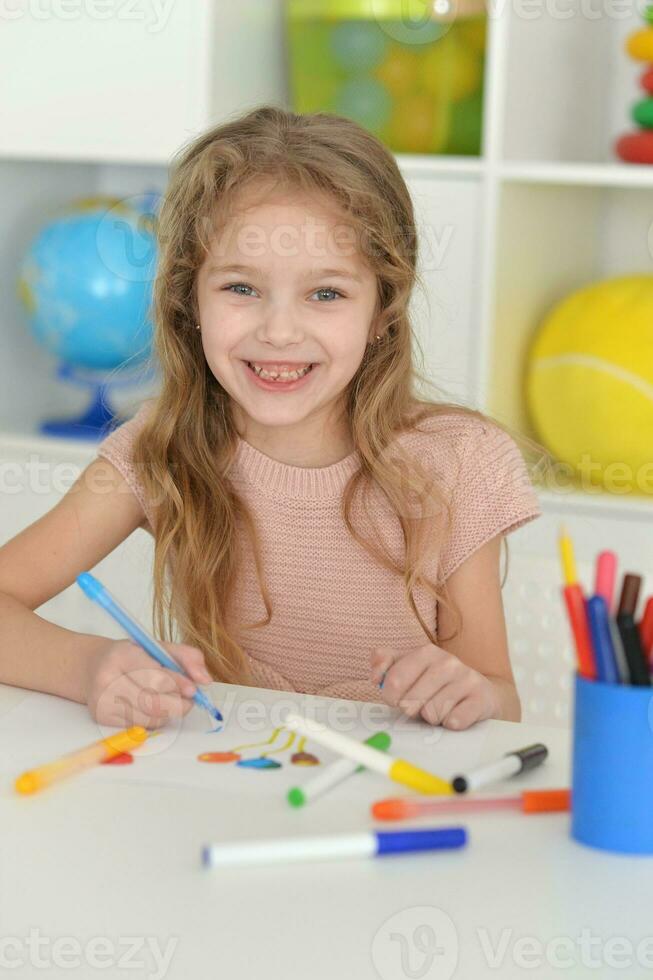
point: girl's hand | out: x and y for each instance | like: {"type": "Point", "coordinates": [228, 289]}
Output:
{"type": "Point", "coordinates": [429, 682]}
{"type": "Point", "coordinates": [127, 687]}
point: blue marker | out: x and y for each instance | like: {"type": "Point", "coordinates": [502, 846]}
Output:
{"type": "Point", "coordinates": [604, 654]}
{"type": "Point", "coordinates": [96, 591]}
{"type": "Point", "coordinates": [326, 846]}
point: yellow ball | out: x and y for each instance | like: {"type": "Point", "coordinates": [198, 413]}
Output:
{"type": "Point", "coordinates": [589, 384]}
{"type": "Point", "coordinates": [640, 45]}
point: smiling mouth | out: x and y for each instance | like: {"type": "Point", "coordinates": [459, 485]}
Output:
{"type": "Point", "coordinates": [278, 378]}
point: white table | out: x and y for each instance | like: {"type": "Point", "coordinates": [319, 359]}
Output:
{"type": "Point", "coordinates": [107, 854]}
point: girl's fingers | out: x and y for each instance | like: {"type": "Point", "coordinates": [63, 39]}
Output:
{"type": "Point", "coordinates": [433, 679]}
{"type": "Point", "coordinates": [382, 659]}
{"type": "Point", "coordinates": [463, 714]}
{"type": "Point", "coordinates": [116, 705]}
{"type": "Point", "coordinates": [139, 665]}
{"type": "Point", "coordinates": [133, 704]}
{"type": "Point", "coordinates": [151, 675]}
{"type": "Point", "coordinates": [403, 673]}
{"type": "Point", "coordinates": [161, 708]}
{"type": "Point", "coordinates": [192, 660]}
{"type": "Point", "coordinates": [445, 703]}
{"type": "Point", "coordinates": [184, 685]}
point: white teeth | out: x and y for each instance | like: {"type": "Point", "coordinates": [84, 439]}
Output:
{"type": "Point", "coordinates": [284, 375]}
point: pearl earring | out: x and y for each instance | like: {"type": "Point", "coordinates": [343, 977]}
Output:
{"type": "Point", "coordinates": [197, 326]}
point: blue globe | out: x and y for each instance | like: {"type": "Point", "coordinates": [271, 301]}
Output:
{"type": "Point", "coordinates": [85, 282]}
{"type": "Point", "coordinates": [86, 286]}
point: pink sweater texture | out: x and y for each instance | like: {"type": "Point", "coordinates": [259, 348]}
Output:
{"type": "Point", "coordinates": [332, 602]}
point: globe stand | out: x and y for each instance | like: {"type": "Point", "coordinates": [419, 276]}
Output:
{"type": "Point", "coordinates": [99, 418]}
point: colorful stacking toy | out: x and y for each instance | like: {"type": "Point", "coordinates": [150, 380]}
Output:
{"type": "Point", "coordinates": [638, 147]}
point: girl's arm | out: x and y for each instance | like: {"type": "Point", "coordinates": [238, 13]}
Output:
{"type": "Point", "coordinates": [92, 518]}
{"type": "Point", "coordinates": [470, 677]}
{"type": "Point", "coordinates": [482, 643]}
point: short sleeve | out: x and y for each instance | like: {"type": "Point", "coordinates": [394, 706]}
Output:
{"type": "Point", "coordinates": [117, 448]}
{"type": "Point", "coordinates": [492, 494]}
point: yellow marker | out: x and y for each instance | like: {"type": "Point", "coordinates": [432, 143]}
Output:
{"type": "Point", "coordinates": [397, 769]}
{"type": "Point", "coordinates": [567, 557]}
{"type": "Point", "coordinates": [97, 752]}
{"type": "Point", "coordinates": [424, 782]}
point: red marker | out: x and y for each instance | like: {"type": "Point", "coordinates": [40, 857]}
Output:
{"type": "Point", "coordinates": [575, 602]}
{"type": "Point", "coordinates": [646, 629]}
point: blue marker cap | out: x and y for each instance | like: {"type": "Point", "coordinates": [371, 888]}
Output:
{"type": "Point", "coordinates": [90, 585]}
{"type": "Point", "coordinates": [439, 838]}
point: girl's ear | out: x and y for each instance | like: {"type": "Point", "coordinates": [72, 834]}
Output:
{"type": "Point", "coordinates": [377, 329]}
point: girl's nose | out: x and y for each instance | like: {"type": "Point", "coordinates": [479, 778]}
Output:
{"type": "Point", "coordinates": [279, 325]}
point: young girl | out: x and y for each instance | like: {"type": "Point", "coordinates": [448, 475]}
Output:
{"type": "Point", "coordinates": [317, 526]}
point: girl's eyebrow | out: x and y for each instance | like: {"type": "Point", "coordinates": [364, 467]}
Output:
{"type": "Point", "coordinates": [244, 269]}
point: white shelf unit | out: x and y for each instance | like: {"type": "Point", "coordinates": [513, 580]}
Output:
{"type": "Point", "coordinates": [100, 107]}
{"type": "Point", "coordinates": [131, 82]}
{"type": "Point", "coordinates": [544, 209]}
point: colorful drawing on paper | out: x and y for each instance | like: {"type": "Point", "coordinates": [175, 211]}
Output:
{"type": "Point", "coordinates": [263, 760]}
{"type": "Point", "coordinates": [126, 758]}
{"type": "Point", "coordinates": [218, 757]}
{"type": "Point", "coordinates": [302, 758]}
{"type": "Point", "coordinates": [122, 759]}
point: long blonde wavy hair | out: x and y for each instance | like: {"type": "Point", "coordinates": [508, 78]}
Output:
{"type": "Point", "coordinates": [186, 446]}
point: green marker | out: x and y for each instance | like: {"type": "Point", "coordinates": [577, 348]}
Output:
{"type": "Point", "coordinates": [334, 773]}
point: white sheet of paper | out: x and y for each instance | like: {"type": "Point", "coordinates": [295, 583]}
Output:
{"type": "Point", "coordinates": [42, 727]}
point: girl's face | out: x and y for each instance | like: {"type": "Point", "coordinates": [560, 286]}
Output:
{"type": "Point", "coordinates": [266, 299]}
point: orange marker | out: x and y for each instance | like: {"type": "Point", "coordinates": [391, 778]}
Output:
{"type": "Point", "coordinates": [530, 801]}
{"type": "Point", "coordinates": [90, 755]}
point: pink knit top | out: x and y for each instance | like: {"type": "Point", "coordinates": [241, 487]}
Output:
{"type": "Point", "coordinates": [332, 602]}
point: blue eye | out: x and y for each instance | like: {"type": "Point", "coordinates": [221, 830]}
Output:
{"type": "Point", "coordinates": [236, 285]}
{"type": "Point", "coordinates": [328, 289]}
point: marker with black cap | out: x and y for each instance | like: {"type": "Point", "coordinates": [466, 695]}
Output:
{"type": "Point", "coordinates": [638, 666]}
{"type": "Point", "coordinates": [512, 763]}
